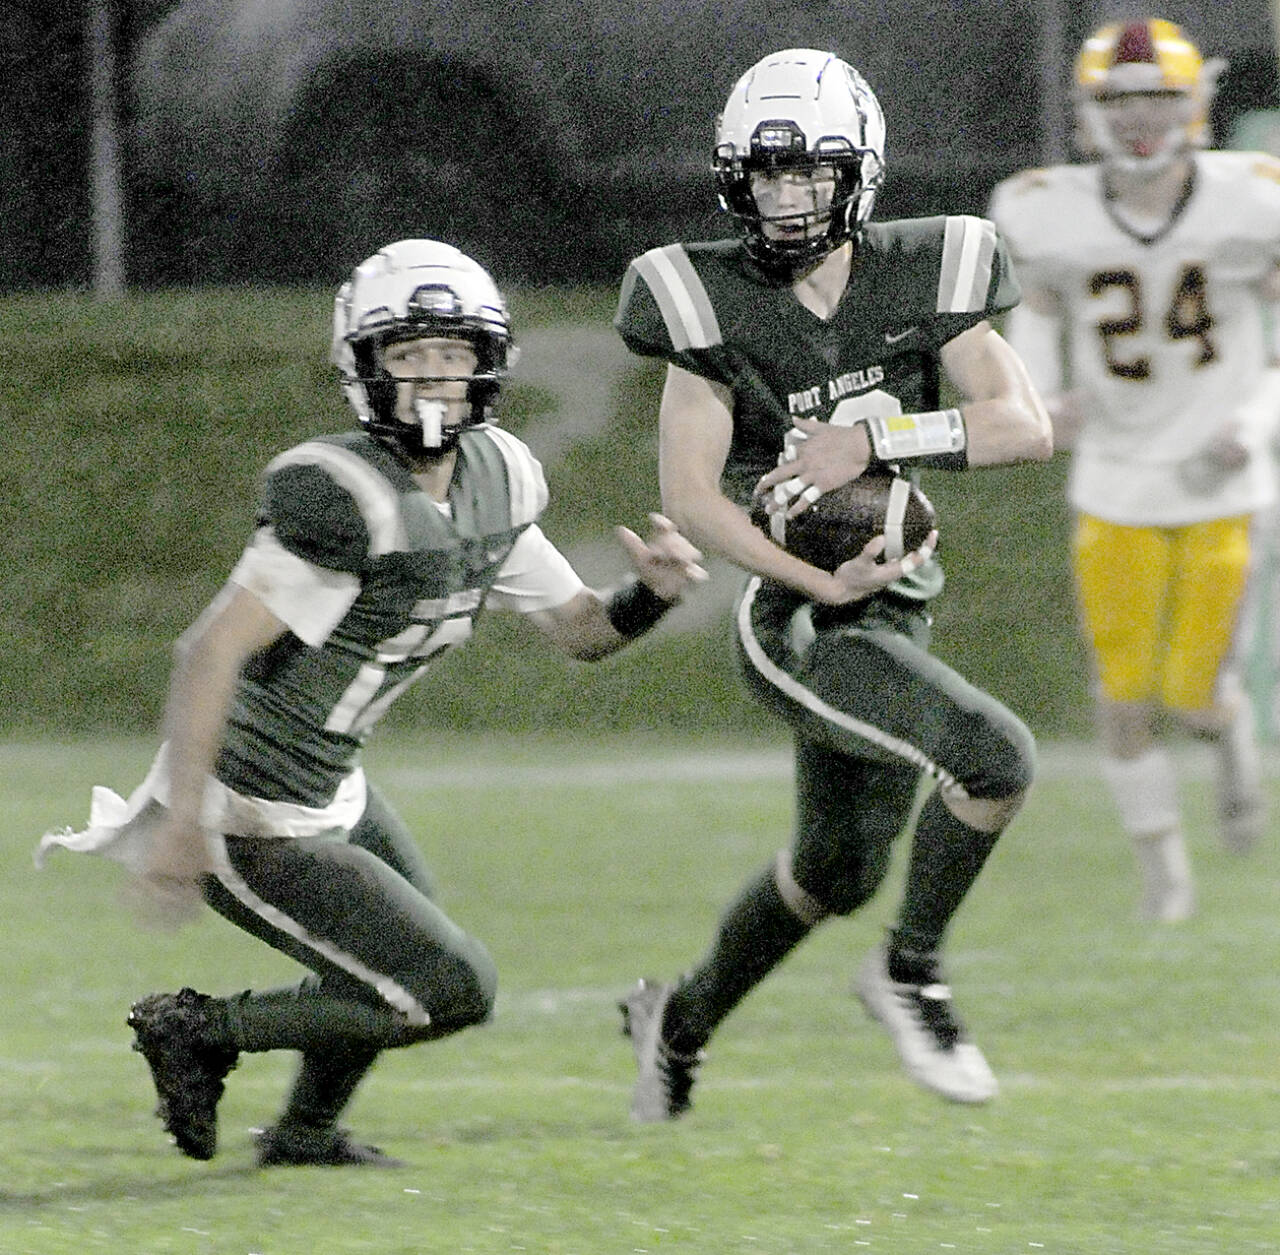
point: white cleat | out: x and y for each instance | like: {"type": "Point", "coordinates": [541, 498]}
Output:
{"type": "Point", "coordinates": [932, 1043]}
{"type": "Point", "coordinates": [664, 1078]}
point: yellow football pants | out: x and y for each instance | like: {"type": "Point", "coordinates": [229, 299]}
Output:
{"type": "Point", "coordinates": [1160, 605]}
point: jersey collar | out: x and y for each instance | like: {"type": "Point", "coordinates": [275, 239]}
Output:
{"type": "Point", "coordinates": [1179, 206]}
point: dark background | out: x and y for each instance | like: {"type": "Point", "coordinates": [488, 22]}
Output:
{"type": "Point", "coordinates": [273, 143]}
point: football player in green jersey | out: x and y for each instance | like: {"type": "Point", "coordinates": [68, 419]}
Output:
{"type": "Point", "coordinates": [375, 551]}
{"type": "Point", "coordinates": [798, 355]}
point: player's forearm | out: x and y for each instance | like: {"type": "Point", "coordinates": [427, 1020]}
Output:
{"type": "Point", "coordinates": [595, 624]}
{"type": "Point", "coordinates": [1013, 427]}
{"type": "Point", "coordinates": [589, 636]}
{"type": "Point", "coordinates": [1004, 414]}
{"type": "Point", "coordinates": [200, 691]}
{"type": "Point", "coordinates": [716, 525]}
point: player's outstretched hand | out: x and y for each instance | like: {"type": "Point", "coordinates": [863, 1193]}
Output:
{"type": "Point", "coordinates": [667, 562]}
{"type": "Point", "coordinates": [165, 894]}
{"type": "Point", "coordinates": [867, 574]}
{"type": "Point", "coordinates": [818, 458]}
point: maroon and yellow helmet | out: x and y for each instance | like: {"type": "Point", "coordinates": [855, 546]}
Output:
{"type": "Point", "coordinates": [1149, 57]}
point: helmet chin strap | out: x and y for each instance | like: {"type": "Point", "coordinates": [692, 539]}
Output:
{"type": "Point", "coordinates": [788, 262]}
{"type": "Point", "coordinates": [431, 414]}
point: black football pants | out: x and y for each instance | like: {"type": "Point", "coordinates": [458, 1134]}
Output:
{"type": "Point", "coordinates": [390, 967]}
{"type": "Point", "coordinates": [871, 711]}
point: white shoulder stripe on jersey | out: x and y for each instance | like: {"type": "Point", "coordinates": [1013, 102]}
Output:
{"type": "Point", "coordinates": [790, 687]}
{"type": "Point", "coordinates": [682, 299]}
{"type": "Point", "coordinates": [311, 600]}
{"type": "Point", "coordinates": [968, 253]}
{"type": "Point", "coordinates": [524, 474]}
{"type": "Point", "coordinates": [374, 494]}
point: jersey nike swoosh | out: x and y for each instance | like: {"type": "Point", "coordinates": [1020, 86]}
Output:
{"type": "Point", "coordinates": [902, 335]}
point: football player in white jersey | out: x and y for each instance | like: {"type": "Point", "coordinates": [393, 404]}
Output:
{"type": "Point", "coordinates": [1147, 276]}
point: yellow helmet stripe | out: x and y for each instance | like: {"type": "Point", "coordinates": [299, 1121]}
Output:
{"type": "Point", "coordinates": [1175, 60]}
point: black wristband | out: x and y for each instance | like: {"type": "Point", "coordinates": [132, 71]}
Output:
{"type": "Point", "coordinates": [634, 608]}
{"type": "Point", "coordinates": [957, 461]}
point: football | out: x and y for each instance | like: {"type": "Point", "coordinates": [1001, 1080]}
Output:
{"type": "Point", "coordinates": [837, 526]}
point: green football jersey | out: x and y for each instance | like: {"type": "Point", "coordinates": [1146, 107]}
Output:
{"type": "Point", "coordinates": [913, 285]}
{"type": "Point", "coordinates": [349, 506]}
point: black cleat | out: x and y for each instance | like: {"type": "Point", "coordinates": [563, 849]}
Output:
{"type": "Point", "coordinates": [171, 1034]}
{"type": "Point", "coordinates": [300, 1146]}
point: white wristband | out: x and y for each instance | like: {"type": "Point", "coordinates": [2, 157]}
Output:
{"type": "Point", "coordinates": [902, 436]}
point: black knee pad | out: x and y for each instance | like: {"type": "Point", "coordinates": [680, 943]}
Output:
{"type": "Point", "coordinates": [842, 886]}
{"type": "Point", "coordinates": [1003, 753]}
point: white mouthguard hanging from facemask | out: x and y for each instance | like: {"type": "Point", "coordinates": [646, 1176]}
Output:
{"type": "Point", "coordinates": [431, 415]}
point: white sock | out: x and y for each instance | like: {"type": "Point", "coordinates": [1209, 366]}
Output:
{"type": "Point", "coordinates": [1241, 805]}
{"type": "Point", "coordinates": [1165, 875]}
{"type": "Point", "coordinates": [1145, 791]}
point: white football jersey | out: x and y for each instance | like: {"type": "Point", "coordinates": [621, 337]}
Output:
{"type": "Point", "coordinates": [1167, 335]}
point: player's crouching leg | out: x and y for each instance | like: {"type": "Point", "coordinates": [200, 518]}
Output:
{"type": "Point", "coordinates": [901, 984]}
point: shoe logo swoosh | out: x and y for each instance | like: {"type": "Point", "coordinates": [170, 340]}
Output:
{"type": "Point", "coordinates": [889, 338]}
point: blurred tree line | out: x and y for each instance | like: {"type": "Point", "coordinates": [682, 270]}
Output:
{"type": "Point", "coordinates": [377, 145]}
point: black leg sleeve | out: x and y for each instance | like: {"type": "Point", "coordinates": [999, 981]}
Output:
{"type": "Point", "coordinates": [756, 933]}
{"type": "Point", "coordinates": [946, 857]}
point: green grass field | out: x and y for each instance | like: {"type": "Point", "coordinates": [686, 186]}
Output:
{"type": "Point", "coordinates": [131, 481]}
{"type": "Point", "coordinates": [1139, 1064]}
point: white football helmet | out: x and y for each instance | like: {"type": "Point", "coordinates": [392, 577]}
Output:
{"type": "Point", "coordinates": [800, 110]}
{"type": "Point", "coordinates": [1146, 58]}
{"type": "Point", "coordinates": [410, 290]}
